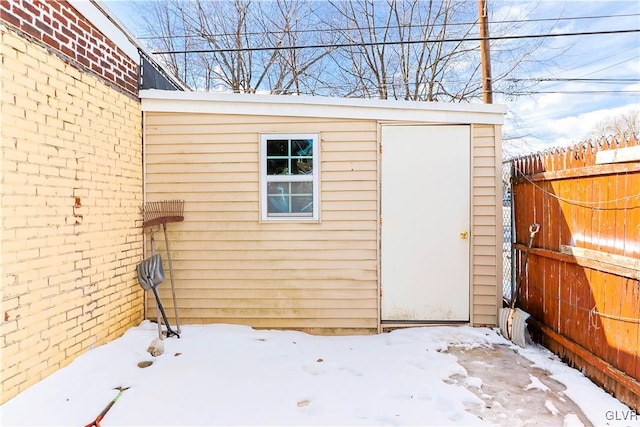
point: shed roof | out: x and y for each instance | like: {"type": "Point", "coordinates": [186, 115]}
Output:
{"type": "Point", "coordinates": [317, 106]}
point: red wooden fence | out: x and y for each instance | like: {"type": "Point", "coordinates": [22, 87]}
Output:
{"type": "Point", "coordinates": [582, 284]}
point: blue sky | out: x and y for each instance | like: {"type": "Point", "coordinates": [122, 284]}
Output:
{"type": "Point", "coordinates": [558, 118]}
{"type": "Point", "coordinates": [550, 115]}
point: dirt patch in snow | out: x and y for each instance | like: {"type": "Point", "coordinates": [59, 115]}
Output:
{"type": "Point", "coordinates": [514, 392]}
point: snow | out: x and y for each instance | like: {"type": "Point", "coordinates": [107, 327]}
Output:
{"type": "Point", "coordinates": [536, 384]}
{"type": "Point", "coordinates": [551, 407]}
{"type": "Point", "coordinates": [571, 420]}
{"type": "Point", "coordinates": [235, 375]}
{"type": "Point", "coordinates": [474, 382]}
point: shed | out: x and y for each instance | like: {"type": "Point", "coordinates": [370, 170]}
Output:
{"type": "Point", "coordinates": [328, 215]}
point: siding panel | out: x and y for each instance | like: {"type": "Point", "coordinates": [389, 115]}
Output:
{"type": "Point", "coordinates": [230, 267]}
{"type": "Point", "coordinates": [486, 268]}
{"type": "Point", "coordinates": [320, 277]}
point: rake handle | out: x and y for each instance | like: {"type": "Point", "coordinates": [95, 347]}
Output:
{"type": "Point", "coordinates": [173, 291]}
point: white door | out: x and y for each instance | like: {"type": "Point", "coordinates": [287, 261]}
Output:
{"type": "Point", "coordinates": [425, 215]}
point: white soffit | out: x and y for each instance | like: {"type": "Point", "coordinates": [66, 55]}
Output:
{"type": "Point", "coordinates": [317, 106]}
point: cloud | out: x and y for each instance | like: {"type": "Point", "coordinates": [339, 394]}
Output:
{"type": "Point", "coordinates": [551, 115]}
{"type": "Point", "coordinates": [564, 131]}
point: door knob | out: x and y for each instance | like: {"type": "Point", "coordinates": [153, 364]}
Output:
{"type": "Point", "coordinates": [464, 234]}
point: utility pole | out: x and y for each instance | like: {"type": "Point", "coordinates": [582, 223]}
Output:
{"type": "Point", "coordinates": [487, 91]}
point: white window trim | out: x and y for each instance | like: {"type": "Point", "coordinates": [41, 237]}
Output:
{"type": "Point", "coordinates": [315, 177]}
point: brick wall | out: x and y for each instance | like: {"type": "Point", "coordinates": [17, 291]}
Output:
{"type": "Point", "coordinates": [57, 25]}
{"type": "Point", "coordinates": [70, 192]}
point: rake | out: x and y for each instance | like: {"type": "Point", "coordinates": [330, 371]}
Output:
{"type": "Point", "coordinates": [156, 213]}
{"type": "Point", "coordinates": [163, 212]}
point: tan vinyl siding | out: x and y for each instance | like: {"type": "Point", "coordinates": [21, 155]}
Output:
{"type": "Point", "coordinates": [486, 268]}
{"type": "Point", "coordinates": [232, 268]}
{"type": "Point", "coordinates": [321, 277]}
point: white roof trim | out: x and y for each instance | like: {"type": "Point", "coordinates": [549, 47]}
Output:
{"type": "Point", "coordinates": [316, 106]}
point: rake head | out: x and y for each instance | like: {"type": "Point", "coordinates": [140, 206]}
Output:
{"type": "Point", "coordinates": [156, 213]}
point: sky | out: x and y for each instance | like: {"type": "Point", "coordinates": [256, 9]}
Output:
{"type": "Point", "coordinates": [553, 117]}
{"type": "Point", "coordinates": [551, 113]}
{"type": "Point", "coordinates": [236, 375]}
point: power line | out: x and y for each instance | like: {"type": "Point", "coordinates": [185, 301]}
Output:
{"type": "Point", "coordinates": [574, 92]}
{"type": "Point", "coordinates": [598, 60]}
{"type": "Point", "coordinates": [576, 80]}
{"type": "Point", "coordinates": [582, 77]}
{"type": "Point", "coordinates": [374, 28]}
{"type": "Point", "coordinates": [369, 44]}
{"type": "Point", "coordinates": [610, 66]}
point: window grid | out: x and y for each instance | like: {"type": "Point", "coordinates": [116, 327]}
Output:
{"type": "Point", "coordinates": [289, 176]}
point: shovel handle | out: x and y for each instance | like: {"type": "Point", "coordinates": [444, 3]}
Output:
{"type": "Point", "coordinates": [533, 230]}
{"type": "Point", "coordinates": [96, 422]}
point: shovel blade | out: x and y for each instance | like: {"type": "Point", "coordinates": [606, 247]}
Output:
{"type": "Point", "coordinates": [504, 322]}
{"type": "Point", "coordinates": [150, 272]}
{"type": "Point", "coordinates": [518, 327]}
{"type": "Point", "coordinates": [513, 323]}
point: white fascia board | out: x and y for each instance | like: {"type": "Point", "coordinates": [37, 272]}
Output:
{"type": "Point", "coordinates": [316, 106]}
{"type": "Point", "coordinates": [108, 25]}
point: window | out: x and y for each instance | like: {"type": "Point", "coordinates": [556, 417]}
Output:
{"type": "Point", "coordinates": [289, 177]}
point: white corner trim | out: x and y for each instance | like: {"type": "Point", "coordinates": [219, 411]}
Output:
{"type": "Point", "coordinates": [317, 106]}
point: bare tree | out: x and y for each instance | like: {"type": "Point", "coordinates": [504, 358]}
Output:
{"type": "Point", "coordinates": [363, 65]}
{"type": "Point", "coordinates": [169, 34]}
{"type": "Point", "coordinates": [287, 23]}
{"type": "Point", "coordinates": [235, 45]}
{"type": "Point", "coordinates": [401, 49]}
{"type": "Point", "coordinates": [420, 49]}
{"type": "Point", "coordinates": [626, 123]}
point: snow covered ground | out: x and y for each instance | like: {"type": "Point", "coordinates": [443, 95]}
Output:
{"type": "Point", "coordinates": [235, 375]}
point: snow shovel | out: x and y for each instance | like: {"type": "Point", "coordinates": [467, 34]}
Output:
{"type": "Point", "coordinates": [150, 275]}
{"type": "Point", "coordinates": [512, 320]}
